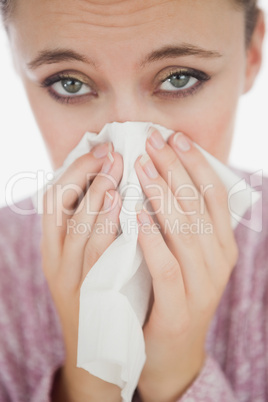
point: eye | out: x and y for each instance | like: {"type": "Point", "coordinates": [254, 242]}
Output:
{"type": "Point", "coordinates": [66, 88]}
{"type": "Point", "coordinates": [70, 86]}
{"type": "Point", "coordinates": [179, 82]}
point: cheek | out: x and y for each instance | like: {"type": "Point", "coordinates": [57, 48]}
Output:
{"type": "Point", "coordinates": [213, 132]}
{"type": "Point", "coordinates": [61, 128]}
{"type": "Point", "coordinates": [211, 123]}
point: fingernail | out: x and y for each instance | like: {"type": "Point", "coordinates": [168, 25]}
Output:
{"type": "Point", "coordinates": [155, 139]}
{"type": "Point", "coordinates": [148, 166]}
{"type": "Point", "coordinates": [143, 217]}
{"type": "Point", "coordinates": [102, 150]}
{"type": "Point", "coordinates": [108, 163]}
{"type": "Point", "coordinates": [181, 142]}
{"type": "Point", "coordinates": [108, 200]}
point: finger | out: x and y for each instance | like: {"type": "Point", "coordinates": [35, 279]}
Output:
{"type": "Point", "coordinates": [213, 191]}
{"type": "Point", "coordinates": [175, 227]}
{"type": "Point", "coordinates": [79, 227]}
{"type": "Point", "coordinates": [107, 179]}
{"type": "Point", "coordinates": [104, 232]}
{"type": "Point", "coordinates": [173, 172]}
{"type": "Point", "coordinates": [167, 280]}
{"type": "Point", "coordinates": [60, 199]}
{"type": "Point", "coordinates": [191, 203]}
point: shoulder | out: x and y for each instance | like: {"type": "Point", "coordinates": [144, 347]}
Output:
{"type": "Point", "coordinates": [20, 234]}
{"type": "Point", "coordinates": [20, 254]}
{"type": "Point", "coordinates": [252, 231]}
{"type": "Point", "coordinates": [18, 215]}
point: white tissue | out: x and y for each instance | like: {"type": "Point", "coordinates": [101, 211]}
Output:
{"type": "Point", "coordinates": [115, 294]}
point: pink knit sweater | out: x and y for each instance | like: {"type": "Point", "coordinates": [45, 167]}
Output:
{"type": "Point", "coordinates": [31, 344]}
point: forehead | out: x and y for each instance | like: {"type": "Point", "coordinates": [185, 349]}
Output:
{"type": "Point", "coordinates": [109, 27]}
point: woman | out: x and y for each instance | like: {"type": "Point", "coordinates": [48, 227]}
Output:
{"type": "Point", "coordinates": [182, 64]}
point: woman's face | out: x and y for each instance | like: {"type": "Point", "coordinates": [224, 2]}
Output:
{"type": "Point", "coordinates": [180, 63]}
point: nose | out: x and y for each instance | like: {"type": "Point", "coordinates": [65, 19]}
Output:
{"type": "Point", "coordinates": [129, 105]}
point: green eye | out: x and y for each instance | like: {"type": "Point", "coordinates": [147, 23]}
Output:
{"type": "Point", "coordinates": [179, 81]}
{"type": "Point", "coordinates": [71, 85]}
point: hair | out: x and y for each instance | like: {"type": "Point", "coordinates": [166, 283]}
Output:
{"type": "Point", "coordinates": [250, 7]}
{"type": "Point", "coordinates": [6, 8]}
{"type": "Point", "coordinates": [251, 13]}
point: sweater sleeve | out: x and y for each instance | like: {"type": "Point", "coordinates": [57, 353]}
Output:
{"type": "Point", "coordinates": [211, 385]}
{"type": "Point", "coordinates": [43, 392]}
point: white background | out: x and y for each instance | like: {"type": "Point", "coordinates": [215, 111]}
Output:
{"type": "Point", "coordinates": [22, 148]}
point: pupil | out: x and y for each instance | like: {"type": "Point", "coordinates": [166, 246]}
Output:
{"type": "Point", "coordinates": [179, 81]}
{"type": "Point", "coordinates": [71, 86]}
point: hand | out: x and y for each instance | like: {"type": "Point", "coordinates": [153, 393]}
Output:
{"type": "Point", "coordinates": [70, 247]}
{"type": "Point", "coordinates": [190, 259]}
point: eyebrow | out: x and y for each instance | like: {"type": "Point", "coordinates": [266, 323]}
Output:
{"type": "Point", "coordinates": [184, 49]}
{"type": "Point", "coordinates": [52, 56]}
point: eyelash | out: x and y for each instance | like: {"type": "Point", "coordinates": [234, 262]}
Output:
{"type": "Point", "coordinates": [177, 94]}
{"type": "Point", "coordinates": [183, 93]}
{"type": "Point", "coordinates": [48, 82]}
